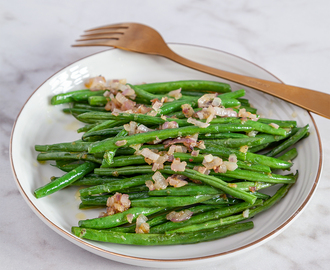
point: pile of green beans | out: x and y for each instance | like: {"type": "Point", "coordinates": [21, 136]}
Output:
{"type": "Point", "coordinates": [101, 166]}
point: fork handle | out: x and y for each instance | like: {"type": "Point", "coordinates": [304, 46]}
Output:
{"type": "Point", "coordinates": [311, 100]}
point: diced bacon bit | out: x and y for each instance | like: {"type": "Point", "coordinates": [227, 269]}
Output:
{"type": "Point", "coordinates": [246, 213]}
{"type": "Point", "coordinates": [232, 185]}
{"type": "Point", "coordinates": [96, 83]}
{"type": "Point", "coordinates": [129, 218]}
{"type": "Point", "coordinates": [231, 166]}
{"type": "Point", "coordinates": [167, 125]}
{"type": "Point", "coordinates": [187, 110]}
{"type": "Point", "coordinates": [225, 112]}
{"type": "Point", "coordinates": [175, 93]}
{"type": "Point", "coordinates": [206, 100]}
{"type": "Point", "coordinates": [244, 148]}
{"type": "Point", "coordinates": [211, 162]}
{"type": "Point", "coordinates": [274, 125]}
{"type": "Point", "coordinates": [179, 216]}
{"type": "Point", "coordinates": [244, 114]}
{"type": "Point", "coordinates": [176, 180]}
{"type": "Point", "coordinates": [120, 143]}
{"type": "Point", "coordinates": [147, 153]}
{"type": "Point", "coordinates": [118, 203]}
{"type": "Point", "coordinates": [178, 166]}
{"type": "Point", "coordinates": [195, 153]}
{"type": "Point", "coordinates": [170, 158]}
{"type": "Point", "coordinates": [253, 189]}
{"type": "Point", "coordinates": [141, 224]}
{"type": "Point", "coordinates": [232, 158]}
{"type": "Point", "coordinates": [252, 133]}
{"type": "Point", "coordinates": [197, 123]}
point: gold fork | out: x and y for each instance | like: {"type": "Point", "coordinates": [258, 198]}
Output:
{"type": "Point", "coordinates": [144, 39]}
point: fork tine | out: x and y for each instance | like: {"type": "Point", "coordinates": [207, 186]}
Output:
{"type": "Point", "coordinates": [102, 33]}
{"type": "Point", "coordinates": [101, 36]}
{"type": "Point", "coordinates": [96, 43]}
{"type": "Point", "coordinates": [96, 38]}
{"type": "Point", "coordinates": [110, 26]}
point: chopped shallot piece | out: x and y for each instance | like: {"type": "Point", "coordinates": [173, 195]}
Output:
{"type": "Point", "coordinates": [244, 148]}
{"type": "Point", "coordinates": [274, 125]}
{"type": "Point", "coordinates": [223, 112]}
{"type": "Point", "coordinates": [195, 153]}
{"type": "Point", "coordinates": [175, 93]}
{"type": "Point", "coordinates": [231, 166]}
{"type": "Point", "coordinates": [171, 150]}
{"type": "Point", "coordinates": [211, 162]}
{"type": "Point", "coordinates": [142, 129]}
{"type": "Point", "coordinates": [232, 158]}
{"type": "Point", "coordinates": [216, 102]}
{"type": "Point", "coordinates": [120, 143]}
{"type": "Point", "coordinates": [147, 153]}
{"type": "Point", "coordinates": [159, 182]}
{"type": "Point", "coordinates": [157, 105]}
{"type": "Point", "coordinates": [187, 110]}
{"type": "Point", "coordinates": [203, 170]}
{"type": "Point", "coordinates": [96, 83]}
{"type": "Point", "coordinates": [117, 203]}
{"type": "Point", "coordinates": [233, 185]}
{"type": "Point", "coordinates": [131, 127]}
{"type": "Point", "coordinates": [129, 218]}
{"type": "Point", "coordinates": [178, 166]}
{"type": "Point", "coordinates": [206, 100]}
{"type": "Point", "coordinates": [221, 169]}
{"type": "Point", "coordinates": [246, 213]}
{"type": "Point", "coordinates": [179, 216]}
{"type": "Point", "coordinates": [197, 123]}
{"type": "Point", "coordinates": [176, 180]}
{"type": "Point", "coordinates": [141, 224]}
{"type": "Point", "coordinates": [252, 133]}
{"type": "Point", "coordinates": [168, 125]}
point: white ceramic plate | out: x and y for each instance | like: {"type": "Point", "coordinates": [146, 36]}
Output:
{"type": "Point", "coordinates": [60, 210]}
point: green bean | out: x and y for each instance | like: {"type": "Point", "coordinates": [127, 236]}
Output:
{"type": "Point", "coordinates": [101, 146]}
{"type": "Point", "coordinates": [252, 158]}
{"type": "Point", "coordinates": [83, 96]}
{"type": "Point", "coordinates": [63, 147]}
{"type": "Point", "coordinates": [94, 179]}
{"type": "Point", "coordinates": [102, 199]}
{"type": "Point", "coordinates": [187, 190]}
{"type": "Point", "coordinates": [190, 85]}
{"type": "Point", "coordinates": [105, 125]}
{"type": "Point", "coordinates": [260, 177]}
{"type": "Point", "coordinates": [159, 239]}
{"type": "Point", "coordinates": [98, 100]}
{"type": "Point", "coordinates": [290, 141]}
{"type": "Point", "coordinates": [89, 107]}
{"type": "Point", "coordinates": [66, 97]}
{"type": "Point", "coordinates": [281, 123]}
{"type": "Point", "coordinates": [109, 155]}
{"type": "Point", "coordinates": [237, 142]}
{"type": "Point", "coordinates": [64, 180]}
{"type": "Point", "coordinates": [115, 185]}
{"type": "Point", "coordinates": [204, 217]}
{"type": "Point", "coordinates": [122, 161]}
{"type": "Point", "coordinates": [211, 180]}
{"type": "Point", "coordinates": [236, 218]}
{"type": "Point", "coordinates": [223, 200]}
{"type": "Point", "coordinates": [67, 156]}
{"type": "Point", "coordinates": [117, 219]}
{"type": "Point", "coordinates": [170, 201]}
{"type": "Point", "coordinates": [290, 155]}
{"type": "Point", "coordinates": [221, 135]}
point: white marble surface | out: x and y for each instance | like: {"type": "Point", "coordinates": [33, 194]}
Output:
{"type": "Point", "coordinates": [288, 38]}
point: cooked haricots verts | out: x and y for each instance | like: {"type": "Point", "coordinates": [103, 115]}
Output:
{"type": "Point", "coordinates": [173, 162]}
